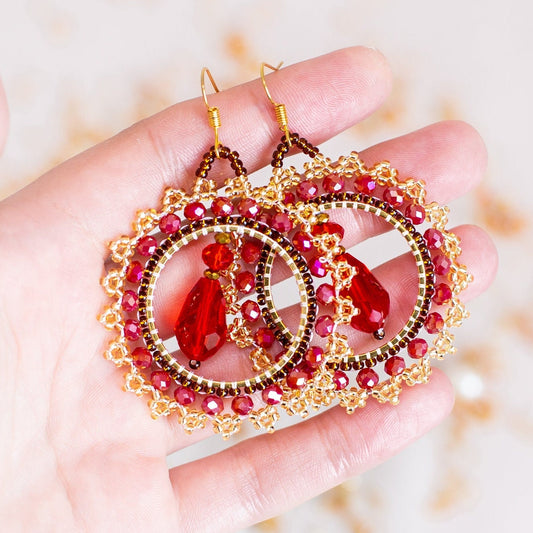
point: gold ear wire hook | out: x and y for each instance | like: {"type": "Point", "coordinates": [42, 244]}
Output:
{"type": "Point", "coordinates": [281, 110]}
{"type": "Point", "coordinates": [213, 113]}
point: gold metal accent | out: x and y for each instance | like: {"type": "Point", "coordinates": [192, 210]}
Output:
{"type": "Point", "coordinates": [210, 274]}
{"type": "Point", "coordinates": [280, 109]}
{"type": "Point", "coordinates": [223, 238]}
{"type": "Point", "coordinates": [213, 113]}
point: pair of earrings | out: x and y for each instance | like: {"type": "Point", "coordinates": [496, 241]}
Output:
{"type": "Point", "coordinates": [228, 349]}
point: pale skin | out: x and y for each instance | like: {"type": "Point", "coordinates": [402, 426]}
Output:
{"type": "Point", "coordinates": [78, 453]}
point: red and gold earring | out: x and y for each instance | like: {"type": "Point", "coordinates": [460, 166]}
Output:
{"type": "Point", "coordinates": [235, 344]}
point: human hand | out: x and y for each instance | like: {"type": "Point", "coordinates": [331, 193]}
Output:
{"type": "Point", "coordinates": [80, 454]}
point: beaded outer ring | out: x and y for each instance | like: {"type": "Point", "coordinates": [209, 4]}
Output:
{"type": "Point", "coordinates": [280, 246]}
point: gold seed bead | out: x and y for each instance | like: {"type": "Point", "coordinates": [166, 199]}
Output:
{"type": "Point", "coordinates": [322, 218]}
{"type": "Point", "coordinates": [209, 274]}
{"type": "Point", "coordinates": [222, 238]}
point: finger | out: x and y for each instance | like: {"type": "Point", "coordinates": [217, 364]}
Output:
{"type": "Point", "coordinates": [107, 184]}
{"type": "Point", "coordinates": [399, 278]}
{"type": "Point", "coordinates": [4, 118]}
{"type": "Point", "coordinates": [266, 475]}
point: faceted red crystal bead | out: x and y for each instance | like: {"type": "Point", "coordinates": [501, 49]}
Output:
{"type": "Point", "coordinates": [194, 211]}
{"type": "Point", "coordinates": [170, 223]}
{"type": "Point", "coordinates": [160, 380]}
{"type": "Point", "coordinates": [434, 238]}
{"type": "Point", "coordinates": [249, 208]}
{"type": "Point", "coordinates": [245, 282]}
{"type": "Point", "coordinates": [222, 207]}
{"type": "Point", "coordinates": [272, 394]}
{"type": "Point", "coordinates": [328, 227]}
{"type": "Point", "coordinates": [250, 252]}
{"type": "Point", "coordinates": [368, 295]}
{"type": "Point", "coordinates": [250, 311]}
{"type": "Point", "coordinates": [289, 198]}
{"type": "Point", "coordinates": [434, 323]}
{"type": "Point", "coordinates": [325, 294]}
{"type": "Point", "coordinates": [141, 357]}
{"type": "Point", "coordinates": [416, 213]}
{"type": "Point", "coordinates": [333, 183]}
{"type": "Point", "coordinates": [281, 222]}
{"type": "Point", "coordinates": [417, 348]}
{"type": "Point", "coordinates": [146, 246]}
{"type": "Point", "coordinates": [367, 378]}
{"type": "Point", "coordinates": [365, 184]}
{"type": "Point", "coordinates": [394, 196]}
{"type": "Point", "coordinates": [442, 294]}
{"type": "Point", "coordinates": [201, 326]}
{"type": "Point", "coordinates": [132, 330]}
{"type": "Point", "coordinates": [307, 190]}
{"type": "Point", "coordinates": [184, 395]}
{"type": "Point", "coordinates": [134, 273]}
{"type": "Point", "coordinates": [264, 337]}
{"type": "Point", "coordinates": [441, 264]}
{"type": "Point", "coordinates": [314, 356]}
{"type": "Point", "coordinates": [340, 379]}
{"type": "Point", "coordinates": [212, 405]}
{"type": "Point", "coordinates": [296, 379]}
{"type": "Point", "coordinates": [317, 267]}
{"type": "Point", "coordinates": [324, 325]}
{"type": "Point", "coordinates": [302, 241]}
{"type": "Point", "coordinates": [130, 301]}
{"type": "Point", "coordinates": [395, 365]}
{"type": "Point", "coordinates": [217, 256]}
{"type": "Point", "coordinates": [242, 405]}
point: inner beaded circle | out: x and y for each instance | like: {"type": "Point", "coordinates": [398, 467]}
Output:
{"type": "Point", "coordinates": [241, 226]}
{"type": "Point", "coordinates": [416, 243]}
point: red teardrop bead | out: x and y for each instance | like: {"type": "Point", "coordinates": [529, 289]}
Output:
{"type": "Point", "coordinates": [201, 325]}
{"type": "Point", "coordinates": [368, 295]}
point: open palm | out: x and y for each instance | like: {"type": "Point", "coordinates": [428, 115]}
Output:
{"type": "Point", "coordinates": [77, 453]}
